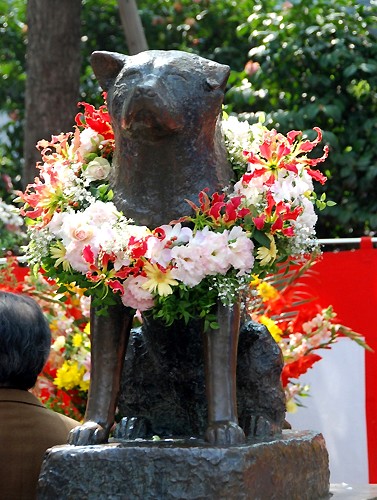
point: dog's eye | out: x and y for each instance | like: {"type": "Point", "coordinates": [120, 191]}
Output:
{"type": "Point", "coordinates": [131, 73]}
{"type": "Point", "coordinates": [212, 84]}
{"type": "Point", "coordinates": [177, 76]}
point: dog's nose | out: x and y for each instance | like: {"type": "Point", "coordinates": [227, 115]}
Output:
{"type": "Point", "coordinates": [144, 91]}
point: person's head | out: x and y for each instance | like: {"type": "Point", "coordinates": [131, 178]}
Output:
{"type": "Point", "coordinates": [25, 341]}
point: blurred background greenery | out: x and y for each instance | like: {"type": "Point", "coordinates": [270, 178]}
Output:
{"type": "Point", "coordinates": [302, 63]}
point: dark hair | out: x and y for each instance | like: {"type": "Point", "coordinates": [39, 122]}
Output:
{"type": "Point", "coordinates": [25, 341]}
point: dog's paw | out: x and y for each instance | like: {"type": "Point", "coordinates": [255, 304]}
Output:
{"type": "Point", "coordinates": [131, 428]}
{"type": "Point", "coordinates": [88, 433]}
{"type": "Point", "coordinates": [224, 433]}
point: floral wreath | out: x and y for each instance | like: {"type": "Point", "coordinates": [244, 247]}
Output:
{"type": "Point", "coordinates": [178, 270]}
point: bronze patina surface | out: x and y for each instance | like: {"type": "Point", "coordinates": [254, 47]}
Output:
{"type": "Point", "coordinates": [293, 466]}
{"type": "Point", "coordinates": [165, 109]}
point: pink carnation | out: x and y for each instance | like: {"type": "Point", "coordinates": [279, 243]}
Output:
{"type": "Point", "coordinates": [135, 296]}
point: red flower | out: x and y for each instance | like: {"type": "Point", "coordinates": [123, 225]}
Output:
{"type": "Point", "coordinates": [96, 119]}
{"type": "Point", "coordinates": [298, 367]}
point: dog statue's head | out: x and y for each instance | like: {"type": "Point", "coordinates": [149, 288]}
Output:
{"type": "Point", "coordinates": [160, 92]}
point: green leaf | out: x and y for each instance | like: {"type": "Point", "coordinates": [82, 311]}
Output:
{"type": "Point", "coordinates": [370, 67]}
{"type": "Point", "coordinates": [35, 270]}
{"type": "Point", "coordinates": [261, 238]}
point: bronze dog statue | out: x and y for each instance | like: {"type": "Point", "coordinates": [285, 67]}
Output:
{"type": "Point", "coordinates": [165, 109]}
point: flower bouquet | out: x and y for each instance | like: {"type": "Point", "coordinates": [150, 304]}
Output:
{"type": "Point", "coordinates": [178, 270]}
{"type": "Point", "coordinates": [12, 235]}
{"type": "Point", "coordinates": [301, 326]}
{"type": "Point", "coordinates": [64, 381]}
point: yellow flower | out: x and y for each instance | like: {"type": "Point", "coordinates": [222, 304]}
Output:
{"type": "Point", "coordinates": [69, 375]}
{"type": "Point", "coordinates": [84, 384]}
{"type": "Point", "coordinates": [54, 325]}
{"type": "Point", "coordinates": [58, 252]}
{"type": "Point", "coordinates": [159, 281]}
{"type": "Point", "coordinates": [77, 340]}
{"type": "Point", "coordinates": [272, 327]}
{"type": "Point", "coordinates": [267, 291]}
{"type": "Point", "coordinates": [267, 255]}
{"type": "Point", "coordinates": [75, 293]}
{"type": "Point", "coordinates": [291, 406]}
{"type": "Point", "coordinates": [256, 280]}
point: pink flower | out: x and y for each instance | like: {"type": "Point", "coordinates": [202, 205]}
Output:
{"type": "Point", "coordinates": [159, 246]}
{"type": "Point", "coordinates": [213, 250]}
{"type": "Point", "coordinates": [74, 255]}
{"type": "Point", "coordinates": [135, 296]}
{"type": "Point", "coordinates": [240, 253]}
{"type": "Point", "coordinates": [188, 268]}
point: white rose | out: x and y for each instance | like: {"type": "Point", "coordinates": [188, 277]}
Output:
{"type": "Point", "coordinates": [82, 233]}
{"type": "Point", "coordinates": [100, 212]}
{"type": "Point", "coordinates": [89, 141]}
{"type": "Point", "coordinates": [77, 228]}
{"type": "Point", "coordinates": [97, 170]}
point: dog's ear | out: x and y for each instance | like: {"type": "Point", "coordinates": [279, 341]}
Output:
{"type": "Point", "coordinates": [107, 66]}
{"type": "Point", "coordinates": [217, 76]}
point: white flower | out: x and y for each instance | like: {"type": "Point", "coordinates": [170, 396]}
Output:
{"type": "Point", "coordinates": [253, 190]}
{"type": "Point", "coordinates": [89, 141]}
{"type": "Point", "coordinates": [66, 174]}
{"type": "Point", "coordinates": [122, 231]}
{"type": "Point", "coordinates": [213, 249]}
{"type": "Point", "coordinates": [308, 218]}
{"type": "Point", "coordinates": [100, 212]}
{"type": "Point", "coordinates": [159, 250]}
{"type": "Point", "coordinates": [188, 267]}
{"type": "Point", "coordinates": [205, 254]}
{"type": "Point", "coordinates": [74, 256]}
{"type": "Point", "coordinates": [9, 215]}
{"type": "Point", "coordinates": [59, 343]}
{"type": "Point", "coordinates": [290, 187]}
{"type": "Point", "coordinates": [77, 229]}
{"type": "Point", "coordinates": [121, 259]}
{"type": "Point", "coordinates": [240, 250]}
{"type": "Point", "coordinates": [55, 224]}
{"type": "Point", "coordinates": [240, 136]}
{"type": "Point", "coordinates": [97, 170]}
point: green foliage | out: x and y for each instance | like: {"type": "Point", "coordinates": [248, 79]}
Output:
{"type": "Point", "coordinates": [205, 27]}
{"type": "Point", "coordinates": [12, 236]}
{"type": "Point", "coordinates": [12, 85]}
{"type": "Point", "coordinates": [188, 303]}
{"type": "Point", "coordinates": [318, 66]}
{"type": "Point", "coordinates": [100, 30]}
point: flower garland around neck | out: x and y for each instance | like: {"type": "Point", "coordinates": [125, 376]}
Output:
{"type": "Point", "coordinates": [178, 270]}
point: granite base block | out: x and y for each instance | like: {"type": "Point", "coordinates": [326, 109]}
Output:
{"type": "Point", "coordinates": [293, 466]}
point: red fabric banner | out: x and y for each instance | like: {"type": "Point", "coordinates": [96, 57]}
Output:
{"type": "Point", "coordinates": [348, 281]}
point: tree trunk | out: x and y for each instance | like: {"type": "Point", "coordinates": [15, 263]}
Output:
{"type": "Point", "coordinates": [132, 26]}
{"type": "Point", "coordinates": [53, 74]}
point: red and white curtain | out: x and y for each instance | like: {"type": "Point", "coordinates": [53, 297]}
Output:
{"type": "Point", "coordinates": [343, 402]}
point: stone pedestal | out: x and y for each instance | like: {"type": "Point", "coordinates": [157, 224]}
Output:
{"type": "Point", "coordinates": [293, 466]}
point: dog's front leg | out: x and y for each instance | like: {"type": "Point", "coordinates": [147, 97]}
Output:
{"type": "Point", "coordinates": [221, 364]}
{"type": "Point", "coordinates": [109, 339]}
